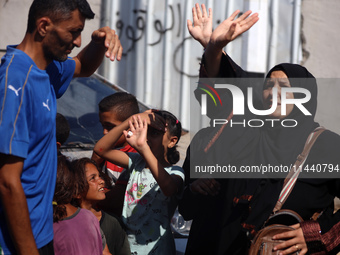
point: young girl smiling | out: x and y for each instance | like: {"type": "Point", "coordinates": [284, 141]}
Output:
{"type": "Point", "coordinates": [90, 192]}
{"type": "Point", "coordinates": [71, 235]}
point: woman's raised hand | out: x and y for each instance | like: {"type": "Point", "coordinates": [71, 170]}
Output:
{"type": "Point", "coordinates": [201, 30]}
{"type": "Point", "coordinates": [231, 28]}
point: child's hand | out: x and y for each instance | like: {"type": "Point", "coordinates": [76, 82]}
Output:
{"type": "Point", "coordinates": [202, 29]}
{"type": "Point", "coordinates": [137, 135]}
{"type": "Point", "coordinates": [154, 120]}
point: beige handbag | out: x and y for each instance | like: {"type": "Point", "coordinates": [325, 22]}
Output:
{"type": "Point", "coordinates": [263, 244]}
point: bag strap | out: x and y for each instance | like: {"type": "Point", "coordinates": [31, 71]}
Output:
{"type": "Point", "coordinates": [295, 170]}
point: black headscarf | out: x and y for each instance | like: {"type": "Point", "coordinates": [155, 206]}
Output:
{"type": "Point", "coordinates": [281, 145]}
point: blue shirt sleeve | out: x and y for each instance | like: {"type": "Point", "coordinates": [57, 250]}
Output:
{"type": "Point", "coordinates": [61, 74]}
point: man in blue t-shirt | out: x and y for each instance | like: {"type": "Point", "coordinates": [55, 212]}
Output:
{"type": "Point", "coordinates": [32, 75]}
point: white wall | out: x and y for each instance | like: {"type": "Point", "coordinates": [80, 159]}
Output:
{"type": "Point", "coordinates": [161, 60]}
{"type": "Point", "coordinates": [320, 27]}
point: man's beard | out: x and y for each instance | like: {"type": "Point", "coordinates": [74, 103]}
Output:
{"type": "Point", "coordinates": [60, 58]}
{"type": "Point", "coordinates": [52, 56]}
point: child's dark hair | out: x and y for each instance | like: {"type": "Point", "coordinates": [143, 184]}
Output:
{"type": "Point", "coordinates": [175, 129]}
{"type": "Point", "coordinates": [79, 167]}
{"type": "Point", "coordinates": [124, 105]}
{"type": "Point", "coordinates": [63, 128]}
{"type": "Point", "coordinates": [64, 190]}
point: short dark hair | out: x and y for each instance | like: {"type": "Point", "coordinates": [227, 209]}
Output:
{"type": "Point", "coordinates": [62, 129]}
{"type": "Point", "coordinates": [122, 103]}
{"type": "Point", "coordinates": [56, 10]}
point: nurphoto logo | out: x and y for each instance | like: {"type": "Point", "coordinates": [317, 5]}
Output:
{"type": "Point", "coordinates": [239, 104]}
{"type": "Point", "coordinates": [207, 88]}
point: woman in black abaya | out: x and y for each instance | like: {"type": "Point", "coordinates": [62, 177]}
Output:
{"type": "Point", "coordinates": [276, 146]}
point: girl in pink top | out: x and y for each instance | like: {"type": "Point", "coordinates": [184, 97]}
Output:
{"type": "Point", "coordinates": [76, 230]}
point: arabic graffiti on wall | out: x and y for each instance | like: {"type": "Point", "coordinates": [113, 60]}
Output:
{"type": "Point", "coordinates": [134, 32]}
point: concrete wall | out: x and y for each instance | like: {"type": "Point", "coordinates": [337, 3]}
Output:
{"type": "Point", "coordinates": [320, 27]}
{"type": "Point", "coordinates": [161, 60]}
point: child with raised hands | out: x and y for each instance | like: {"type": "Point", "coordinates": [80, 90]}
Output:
{"type": "Point", "coordinates": [155, 184]}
